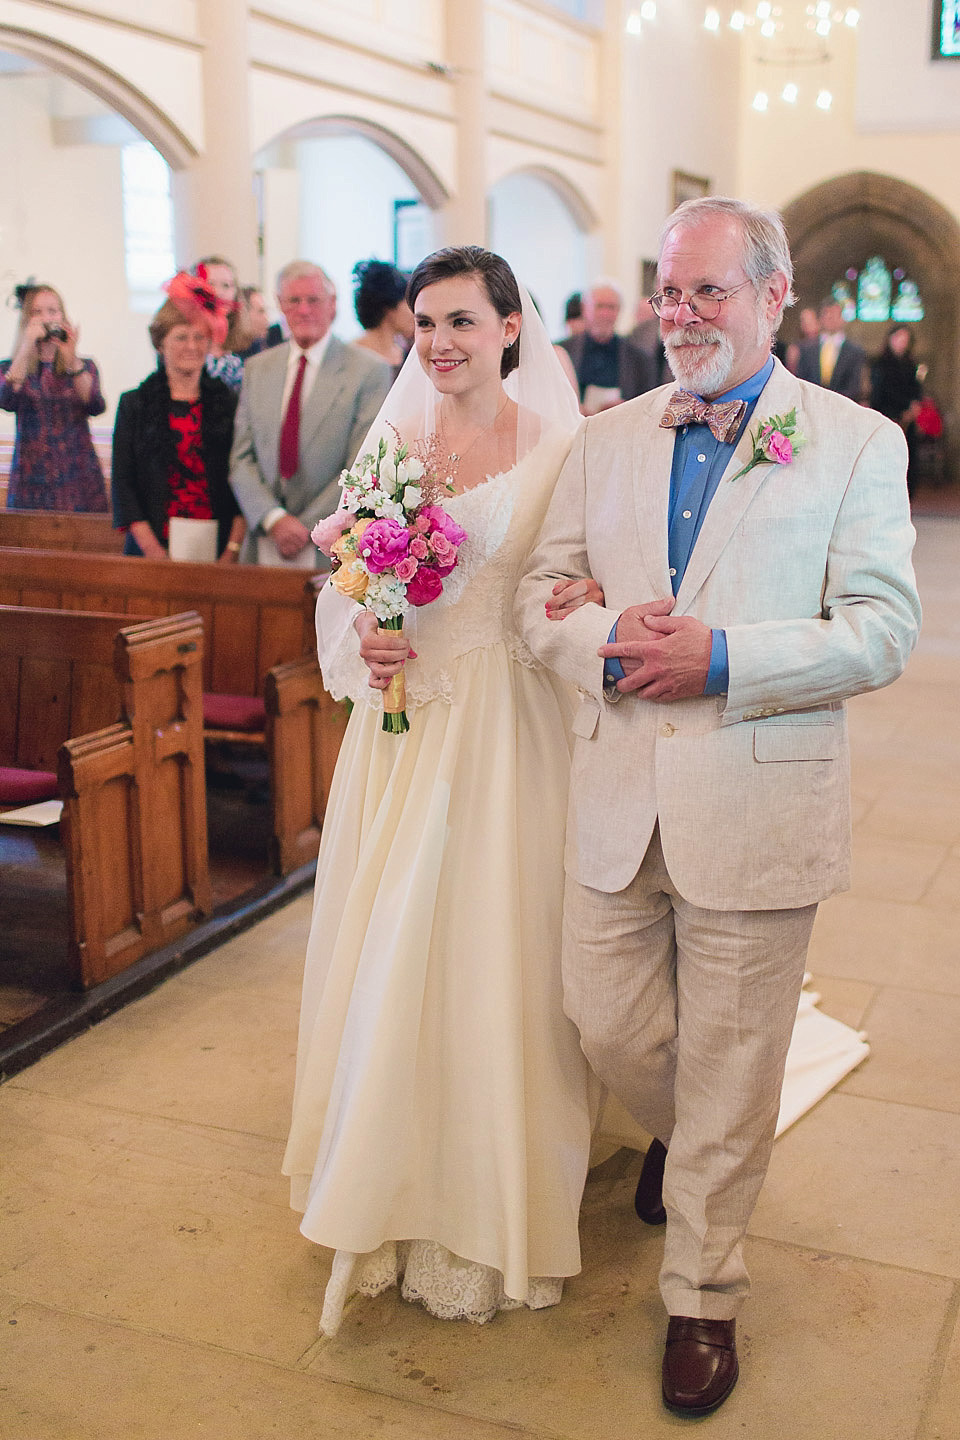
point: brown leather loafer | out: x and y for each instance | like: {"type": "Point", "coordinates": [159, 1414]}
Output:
{"type": "Point", "coordinates": [700, 1365]}
{"type": "Point", "coordinates": [648, 1201]}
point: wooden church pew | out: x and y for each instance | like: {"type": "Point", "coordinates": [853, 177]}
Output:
{"type": "Point", "coordinates": [134, 819]}
{"type": "Point", "coordinates": [258, 622]}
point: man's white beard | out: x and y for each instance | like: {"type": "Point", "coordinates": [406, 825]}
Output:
{"type": "Point", "coordinates": [701, 359]}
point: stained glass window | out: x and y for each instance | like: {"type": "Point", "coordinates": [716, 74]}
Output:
{"type": "Point", "coordinates": [877, 293]}
{"type": "Point", "coordinates": [946, 30]}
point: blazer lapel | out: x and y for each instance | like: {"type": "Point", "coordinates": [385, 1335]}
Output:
{"type": "Point", "coordinates": [269, 405]}
{"type": "Point", "coordinates": [732, 499]}
{"type": "Point", "coordinates": [326, 390]}
{"type": "Point", "coordinates": [651, 492]}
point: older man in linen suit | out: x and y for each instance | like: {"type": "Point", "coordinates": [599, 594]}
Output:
{"type": "Point", "coordinates": [304, 410]}
{"type": "Point", "coordinates": [709, 806]}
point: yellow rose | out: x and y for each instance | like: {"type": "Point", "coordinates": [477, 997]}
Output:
{"type": "Point", "coordinates": [351, 580]}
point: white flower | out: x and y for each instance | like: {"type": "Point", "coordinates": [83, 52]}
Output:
{"type": "Point", "coordinates": [390, 510]}
{"type": "Point", "coordinates": [412, 496]}
{"type": "Point", "coordinates": [386, 597]}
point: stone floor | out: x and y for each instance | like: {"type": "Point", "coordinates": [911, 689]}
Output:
{"type": "Point", "coordinates": [153, 1282]}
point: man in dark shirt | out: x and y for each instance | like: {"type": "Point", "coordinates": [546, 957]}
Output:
{"type": "Point", "coordinates": [609, 367]}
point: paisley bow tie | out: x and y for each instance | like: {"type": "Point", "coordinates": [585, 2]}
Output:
{"type": "Point", "coordinates": [724, 419]}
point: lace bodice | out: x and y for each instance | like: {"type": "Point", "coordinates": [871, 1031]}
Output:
{"type": "Point", "coordinates": [502, 518]}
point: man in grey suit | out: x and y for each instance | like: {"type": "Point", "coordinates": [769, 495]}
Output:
{"type": "Point", "coordinates": [831, 359]}
{"type": "Point", "coordinates": [304, 410]}
{"type": "Point", "coordinates": [609, 368]}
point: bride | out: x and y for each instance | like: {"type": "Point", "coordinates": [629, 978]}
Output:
{"type": "Point", "coordinates": [441, 1117]}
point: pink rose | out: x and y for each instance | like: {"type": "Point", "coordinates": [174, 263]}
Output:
{"type": "Point", "coordinates": [425, 586]}
{"type": "Point", "coordinates": [385, 542]}
{"type": "Point", "coordinates": [423, 522]}
{"type": "Point", "coordinates": [418, 548]}
{"type": "Point", "coordinates": [438, 519]}
{"type": "Point", "coordinates": [326, 533]}
{"type": "Point", "coordinates": [778, 447]}
{"type": "Point", "coordinates": [406, 568]}
{"type": "Point", "coordinates": [445, 552]}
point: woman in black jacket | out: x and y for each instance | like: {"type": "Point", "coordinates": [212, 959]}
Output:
{"type": "Point", "coordinates": [172, 435]}
{"type": "Point", "coordinates": [894, 388]}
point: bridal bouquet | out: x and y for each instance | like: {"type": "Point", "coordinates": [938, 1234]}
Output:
{"type": "Point", "coordinates": [391, 543]}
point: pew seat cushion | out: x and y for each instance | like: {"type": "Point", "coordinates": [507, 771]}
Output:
{"type": "Point", "coordinates": [234, 712]}
{"type": "Point", "coordinates": [26, 787]}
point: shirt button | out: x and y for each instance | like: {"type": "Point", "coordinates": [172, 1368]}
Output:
{"type": "Point", "coordinates": [686, 514]}
{"type": "Point", "coordinates": [666, 730]}
{"type": "Point", "coordinates": [701, 458]}
{"type": "Point", "coordinates": [672, 570]}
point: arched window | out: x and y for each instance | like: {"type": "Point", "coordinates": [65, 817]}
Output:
{"type": "Point", "coordinates": [147, 224]}
{"type": "Point", "coordinates": [877, 294]}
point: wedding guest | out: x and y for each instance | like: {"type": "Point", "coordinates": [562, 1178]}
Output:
{"type": "Point", "coordinates": [53, 392]}
{"type": "Point", "coordinates": [255, 321]}
{"type": "Point", "coordinates": [225, 360]}
{"type": "Point", "coordinates": [380, 302]}
{"type": "Point", "coordinates": [895, 388]}
{"type": "Point", "coordinates": [752, 582]}
{"type": "Point", "coordinates": [304, 408]}
{"type": "Point", "coordinates": [830, 359]}
{"type": "Point", "coordinates": [172, 435]}
{"type": "Point", "coordinates": [440, 1124]}
{"type": "Point", "coordinates": [609, 367]}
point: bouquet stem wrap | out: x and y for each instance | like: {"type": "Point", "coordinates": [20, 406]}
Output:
{"type": "Point", "coordinates": [395, 720]}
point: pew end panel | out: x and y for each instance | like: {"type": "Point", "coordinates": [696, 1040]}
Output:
{"type": "Point", "coordinates": [304, 730]}
{"type": "Point", "coordinates": [134, 822]}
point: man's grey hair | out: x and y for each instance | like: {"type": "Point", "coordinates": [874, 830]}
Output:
{"type": "Point", "coordinates": [766, 250]}
{"type": "Point", "coordinates": [605, 283]}
{"type": "Point", "coordinates": [297, 269]}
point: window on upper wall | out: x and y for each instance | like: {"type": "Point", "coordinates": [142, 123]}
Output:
{"type": "Point", "coordinates": [946, 30]}
{"type": "Point", "coordinates": [878, 294]}
{"type": "Point", "coordinates": [590, 11]}
{"type": "Point", "coordinates": [147, 224]}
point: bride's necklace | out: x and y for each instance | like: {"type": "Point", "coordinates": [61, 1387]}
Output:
{"type": "Point", "coordinates": [456, 457]}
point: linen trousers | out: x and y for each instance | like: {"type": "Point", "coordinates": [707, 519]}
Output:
{"type": "Point", "coordinates": [686, 1015]}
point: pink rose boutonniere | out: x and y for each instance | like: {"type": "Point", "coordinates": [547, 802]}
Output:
{"type": "Point", "coordinates": [775, 442]}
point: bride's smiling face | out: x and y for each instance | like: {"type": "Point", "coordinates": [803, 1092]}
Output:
{"type": "Point", "coordinates": [460, 337]}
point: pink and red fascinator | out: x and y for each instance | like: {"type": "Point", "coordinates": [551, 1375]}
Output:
{"type": "Point", "coordinates": [198, 303]}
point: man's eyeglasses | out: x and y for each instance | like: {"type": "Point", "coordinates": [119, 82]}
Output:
{"type": "Point", "coordinates": [705, 303]}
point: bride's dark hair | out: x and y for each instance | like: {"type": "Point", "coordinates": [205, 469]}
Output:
{"type": "Point", "coordinates": [498, 279]}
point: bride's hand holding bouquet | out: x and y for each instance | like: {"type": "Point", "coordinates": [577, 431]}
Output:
{"type": "Point", "coordinates": [392, 545]}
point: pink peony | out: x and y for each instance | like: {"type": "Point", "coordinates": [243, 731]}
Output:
{"type": "Point", "coordinates": [418, 548]}
{"type": "Point", "coordinates": [406, 569]}
{"type": "Point", "coordinates": [425, 586]}
{"type": "Point", "coordinates": [327, 532]}
{"type": "Point", "coordinates": [779, 448]}
{"type": "Point", "coordinates": [385, 542]}
{"type": "Point", "coordinates": [439, 520]}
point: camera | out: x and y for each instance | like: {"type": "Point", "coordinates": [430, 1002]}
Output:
{"type": "Point", "coordinates": [54, 332]}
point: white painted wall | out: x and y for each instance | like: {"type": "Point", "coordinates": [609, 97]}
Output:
{"type": "Point", "coordinates": [523, 211]}
{"type": "Point", "coordinates": [346, 194]}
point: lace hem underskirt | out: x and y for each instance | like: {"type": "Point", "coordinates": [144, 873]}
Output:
{"type": "Point", "coordinates": [449, 1287]}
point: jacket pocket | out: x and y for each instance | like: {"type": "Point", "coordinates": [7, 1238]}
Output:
{"type": "Point", "coordinates": [795, 741]}
{"type": "Point", "coordinates": [585, 720]}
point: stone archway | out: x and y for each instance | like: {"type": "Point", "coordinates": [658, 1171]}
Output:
{"type": "Point", "coordinates": [107, 85]}
{"type": "Point", "coordinates": [420, 174]}
{"type": "Point", "coordinates": [842, 223]}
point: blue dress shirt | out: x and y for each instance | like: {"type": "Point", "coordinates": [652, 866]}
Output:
{"type": "Point", "coordinates": [699, 460]}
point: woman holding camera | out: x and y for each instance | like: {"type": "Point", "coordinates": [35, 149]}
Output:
{"type": "Point", "coordinates": [53, 393]}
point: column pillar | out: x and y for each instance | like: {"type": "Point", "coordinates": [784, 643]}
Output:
{"type": "Point", "coordinates": [214, 209]}
{"type": "Point", "coordinates": [464, 217]}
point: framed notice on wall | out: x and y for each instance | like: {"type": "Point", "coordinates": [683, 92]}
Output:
{"type": "Point", "coordinates": [687, 187]}
{"type": "Point", "coordinates": [946, 29]}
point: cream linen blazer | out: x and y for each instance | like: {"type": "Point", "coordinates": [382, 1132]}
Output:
{"type": "Point", "coordinates": [807, 567]}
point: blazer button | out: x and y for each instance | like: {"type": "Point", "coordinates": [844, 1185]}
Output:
{"type": "Point", "coordinates": [666, 730]}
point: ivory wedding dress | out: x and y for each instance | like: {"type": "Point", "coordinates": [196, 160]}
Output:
{"type": "Point", "coordinates": [441, 1124]}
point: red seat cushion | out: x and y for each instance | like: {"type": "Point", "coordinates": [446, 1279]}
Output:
{"type": "Point", "coordinates": [25, 787]}
{"type": "Point", "coordinates": [234, 712]}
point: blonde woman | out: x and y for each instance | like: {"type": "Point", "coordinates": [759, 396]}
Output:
{"type": "Point", "coordinates": [53, 393]}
